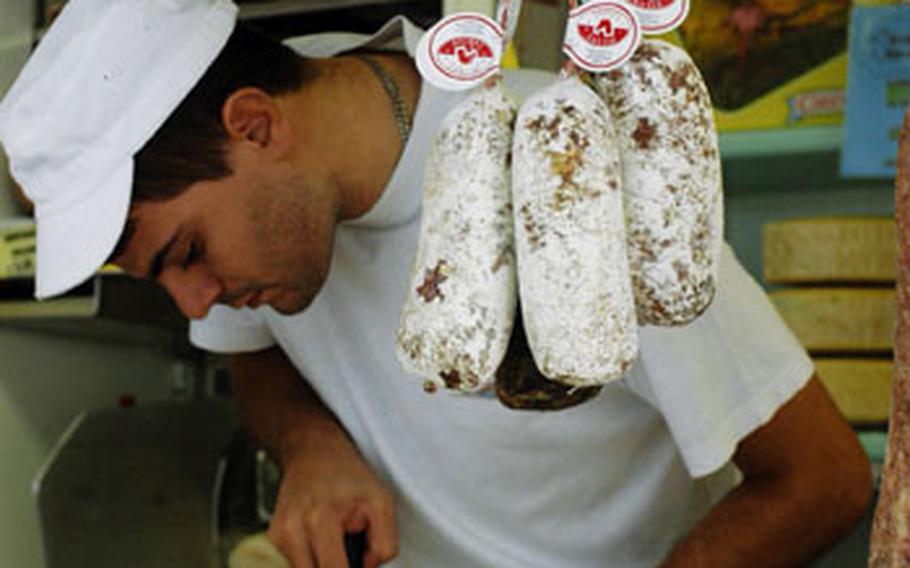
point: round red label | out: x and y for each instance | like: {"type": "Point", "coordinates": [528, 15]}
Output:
{"type": "Point", "coordinates": [660, 16]}
{"type": "Point", "coordinates": [465, 47]}
{"type": "Point", "coordinates": [651, 4]}
{"type": "Point", "coordinates": [601, 35]}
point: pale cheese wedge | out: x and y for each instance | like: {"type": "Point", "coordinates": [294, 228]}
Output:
{"type": "Point", "coordinates": [829, 249]}
{"type": "Point", "coordinates": [861, 388]}
{"type": "Point", "coordinates": [839, 319]}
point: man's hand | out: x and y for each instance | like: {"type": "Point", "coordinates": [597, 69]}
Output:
{"type": "Point", "coordinates": [327, 489]}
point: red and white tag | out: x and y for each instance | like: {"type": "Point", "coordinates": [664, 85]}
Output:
{"type": "Point", "coordinates": [507, 13]}
{"type": "Point", "coordinates": [460, 51]}
{"type": "Point", "coordinates": [660, 16]}
{"type": "Point", "coordinates": [601, 35]}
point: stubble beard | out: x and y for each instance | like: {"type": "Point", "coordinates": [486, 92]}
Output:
{"type": "Point", "coordinates": [296, 236]}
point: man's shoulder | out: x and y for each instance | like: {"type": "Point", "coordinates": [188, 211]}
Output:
{"type": "Point", "coordinates": [397, 34]}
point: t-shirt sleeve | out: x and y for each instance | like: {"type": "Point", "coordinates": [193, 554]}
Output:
{"type": "Point", "coordinates": [722, 376]}
{"type": "Point", "coordinates": [230, 330]}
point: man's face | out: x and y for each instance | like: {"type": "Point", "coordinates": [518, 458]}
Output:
{"type": "Point", "coordinates": [257, 237]}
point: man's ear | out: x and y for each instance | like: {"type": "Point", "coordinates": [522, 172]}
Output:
{"type": "Point", "coordinates": [252, 114]}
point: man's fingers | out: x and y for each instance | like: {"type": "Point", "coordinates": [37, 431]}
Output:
{"type": "Point", "coordinates": [382, 534]}
{"type": "Point", "coordinates": [327, 540]}
{"type": "Point", "coordinates": [291, 539]}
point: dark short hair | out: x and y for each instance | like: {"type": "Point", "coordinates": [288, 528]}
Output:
{"type": "Point", "coordinates": [190, 146]}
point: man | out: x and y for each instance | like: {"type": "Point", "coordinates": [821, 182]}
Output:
{"type": "Point", "coordinates": [278, 196]}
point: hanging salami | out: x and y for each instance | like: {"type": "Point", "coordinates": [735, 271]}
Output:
{"type": "Point", "coordinates": [573, 275]}
{"type": "Point", "coordinates": [671, 181]}
{"type": "Point", "coordinates": [458, 315]}
{"type": "Point", "coordinates": [890, 542]}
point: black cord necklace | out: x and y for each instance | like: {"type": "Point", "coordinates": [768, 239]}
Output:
{"type": "Point", "coordinates": [391, 88]}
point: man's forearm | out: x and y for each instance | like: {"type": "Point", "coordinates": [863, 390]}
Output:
{"type": "Point", "coordinates": [327, 489]}
{"type": "Point", "coordinates": [763, 525]}
{"type": "Point", "coordinates": [807, 482]}
{"type": "Point", "coordinates": [277, 406]}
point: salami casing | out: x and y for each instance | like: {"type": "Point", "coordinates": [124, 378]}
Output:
{"type": "Point", "coordinates": [671, 181]}
{"type": "Point", "coordinates": [890, 542]}
{"type": "Point", "coordinates": [521, 386]}
{"type": "Point", "coordinates": [459, 311]}
{"type": "Point", "coordinates": [574, 285]}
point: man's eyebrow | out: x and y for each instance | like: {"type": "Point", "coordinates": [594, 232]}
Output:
{"type": "Point", "coordinates": [157, 264]}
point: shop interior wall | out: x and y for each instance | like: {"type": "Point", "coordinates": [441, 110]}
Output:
{"type": "Point", "coordinates": [47, 380]}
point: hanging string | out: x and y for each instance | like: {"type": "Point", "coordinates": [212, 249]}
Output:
{"type": "Point", "coordinates": [503, 10]}
{"type": "Point", "coordinates": [569, 69]}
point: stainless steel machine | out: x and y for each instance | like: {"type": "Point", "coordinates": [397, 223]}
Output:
{"type": "Point", "coordinates": [137, 487]}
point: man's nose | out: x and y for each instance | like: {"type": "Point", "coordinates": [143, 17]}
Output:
{"type": "Point", "coordinates": [193, 289]}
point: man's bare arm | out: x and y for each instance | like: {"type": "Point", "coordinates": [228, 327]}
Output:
{"type": "Point", "coordinates": [327, 489]}
{"type": "Point", "coordinates": [806, 483]}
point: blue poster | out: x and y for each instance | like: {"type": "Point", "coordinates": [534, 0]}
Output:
{"type": "Point", "coordinates": [878, 89]}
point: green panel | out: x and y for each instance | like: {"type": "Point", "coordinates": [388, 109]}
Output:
{"type": "Point", "coordinates": [753, 143]}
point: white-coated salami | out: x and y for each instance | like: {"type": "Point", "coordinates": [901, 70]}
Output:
{"type": "Point", "coordinates": [671, 181]}
{"type": "Point", "coordinates": [576, 297]}
{"type": "Point", "coordinates": [460, 307]}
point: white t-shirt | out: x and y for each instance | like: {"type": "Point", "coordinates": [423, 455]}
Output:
{"type": "Point", "coordinates": [613, 482]}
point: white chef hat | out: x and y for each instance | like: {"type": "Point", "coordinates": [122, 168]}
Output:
{"type": "Point", "coordinates": [101, 82]}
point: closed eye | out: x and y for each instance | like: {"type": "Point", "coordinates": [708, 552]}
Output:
{"type": "Point", "coordinates": [193, 254]}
